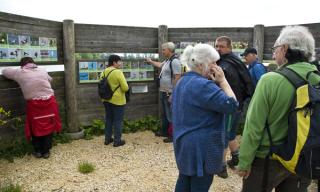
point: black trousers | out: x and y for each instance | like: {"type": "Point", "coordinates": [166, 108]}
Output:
{"type": "Point", "coordinates": [42, 144]}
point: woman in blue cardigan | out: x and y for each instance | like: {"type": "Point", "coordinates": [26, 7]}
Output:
{"type": "Point", "coordinates": [200, 101]}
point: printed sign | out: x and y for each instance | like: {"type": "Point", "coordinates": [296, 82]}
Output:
{"type": "Point", "coordinates": [14, 47]}
{"type": "Point", "coordinates": [134, 67]}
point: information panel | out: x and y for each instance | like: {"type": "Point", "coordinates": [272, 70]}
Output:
{"type": "Point", "coordinates": [14, 47]}
{"type": "Point", "coordinates": [134, 66]}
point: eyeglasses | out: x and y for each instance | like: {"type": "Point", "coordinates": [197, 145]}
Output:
{"type": "Point", "coordinates": [273, 49]}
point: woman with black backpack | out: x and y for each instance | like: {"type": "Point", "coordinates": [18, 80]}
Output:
{"type": "Point", "coordinates": [114, 106]}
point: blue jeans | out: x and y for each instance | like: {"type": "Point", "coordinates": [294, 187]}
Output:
{"type": "Point", "coordinates": [193, 183]}
{"type": "Point", "coordinates": [232, 123]}
{"type": "Point", "coordinates": [167, 112]}
{"type": "Point", "coordinates": [114, 118]}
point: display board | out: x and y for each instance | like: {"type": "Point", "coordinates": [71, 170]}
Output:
{"type": "Point", "coordinates": [13, 47]}
{"type": "Point", "coordinates": [134, 66]}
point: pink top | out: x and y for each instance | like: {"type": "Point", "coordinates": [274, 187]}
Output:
{"type": "Point", "coordinates": [34, 81]}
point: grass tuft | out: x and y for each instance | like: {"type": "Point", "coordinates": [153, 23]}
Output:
{"type": "Point", "coordinates": [85, 167]}
{"type": "Point", "coordinates": [10, 188]}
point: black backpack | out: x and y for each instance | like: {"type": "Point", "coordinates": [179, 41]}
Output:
{"type": "Point", "coordinates": [244, 75]}
{"type": "Point", "coordinates": [104, 89]}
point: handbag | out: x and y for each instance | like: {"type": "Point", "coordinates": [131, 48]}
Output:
{"type": "Point", "coordinates": [127, 94]}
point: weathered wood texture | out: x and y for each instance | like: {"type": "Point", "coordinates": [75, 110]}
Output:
{"type": "Point", "coordinates": [258, 40]}
{"type": "Point", "coordinates": [140, 105]}
{"type": "Point", "coordinates": [108, 38]}
{"type": "Point", "coordinates": [21, 25]}
{"type": "Point", "coordinates": [271, 34]}
{"type": "Point", "coordinates": [209, 34]}
{"type": "Point", "coordinates": [70, 76]}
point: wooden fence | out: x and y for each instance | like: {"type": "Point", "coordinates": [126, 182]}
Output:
{"type": "Point", "coordinates": [79, 103]}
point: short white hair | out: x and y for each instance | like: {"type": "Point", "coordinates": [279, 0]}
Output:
{"type": "Point", "coordinates": [199, 54]}
{"type": "Point", "coordinates": [168, 45]}
{"type": "Point", "coordinates": [298, 37]}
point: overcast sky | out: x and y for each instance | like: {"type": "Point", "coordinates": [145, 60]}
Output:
{"type": "Point", "coordinates": [173, 13]}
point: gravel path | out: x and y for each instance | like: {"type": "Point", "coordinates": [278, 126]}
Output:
{"type": "Point", "coordinates": [145, 164]}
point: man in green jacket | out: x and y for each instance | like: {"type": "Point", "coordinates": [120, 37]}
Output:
{"type": "Point", "coordinates": [271, 103]}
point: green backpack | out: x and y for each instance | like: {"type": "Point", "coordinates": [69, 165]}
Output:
{"type": "Point", "coordinates": [300, 153]}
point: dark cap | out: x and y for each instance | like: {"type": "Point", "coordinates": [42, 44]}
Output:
{"type": "Point", "coordinates": [249, 50]}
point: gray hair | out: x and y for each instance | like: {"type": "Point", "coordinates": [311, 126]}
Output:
{"type": "Point", "coordinates": [168, 45]}
{"type": "Point", "coordinates": [199, 54]}
{"type": "Point", "coordinates": [298, 37]}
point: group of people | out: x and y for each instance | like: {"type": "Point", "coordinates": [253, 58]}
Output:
{"type": "Point", "coordinates": [201, 108]}
{"type": "Point", "coordinates": [207, 103]}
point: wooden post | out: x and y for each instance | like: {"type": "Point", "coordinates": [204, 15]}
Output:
{"type": "Point", "coordinates": [70, 76]}
{"type": "Point", "coordinates": [162, 38]}
{"type": "Point", "coordinates": [258, 40]}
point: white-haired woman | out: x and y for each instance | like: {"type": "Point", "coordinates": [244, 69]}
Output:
{"type": "Point", "coordinates": [199, 105]}
{"type": "Point", "coordinates": [271, 102]}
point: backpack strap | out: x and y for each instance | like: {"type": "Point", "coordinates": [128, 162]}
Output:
{"type": "Point", "coordinates": [311, 72]}
{"type": "Point", "coordinates": [266, 161]}
{"type": "Point", "coordinates": [109, 73]}
{"type": "Point", "coordinates": [107, 79]}
{"type": "Point", "coordinates": [293, 77]}
{"type": "Point", "coordinates": [174, 56]}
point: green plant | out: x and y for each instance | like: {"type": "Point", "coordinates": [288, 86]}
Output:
{"type": "Point", "coordinates": [146, 123]}
{"type": "Point", "coordinates": [61, 138]}
{"type": "Point", "coordinates": [97, 128]}
{"type": "Point", "coordinates": [85, 167]}
{"type": "Point", "coordinates": [15, 145]}
{"type": "Point", "coordinates": [10, 188]}
{"type": "Point", "coordinates": [4, 115]}
{"type": "Point", "coordinates": [18, 148]}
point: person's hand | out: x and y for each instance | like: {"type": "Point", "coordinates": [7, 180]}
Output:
{"type": "Point", "coordinates": [216, 74]}
{"type": "Point", "coordinates": [148, 60]}
{"type": "Point", "coordinates": [244, 173]}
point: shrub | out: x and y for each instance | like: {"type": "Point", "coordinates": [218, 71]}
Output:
{"type": "Point", "coordinates": [85, 167]}
{"type": "Point", "coordinates": [97, 128]}
{"type": "Point", "coordinates": [146, 123]}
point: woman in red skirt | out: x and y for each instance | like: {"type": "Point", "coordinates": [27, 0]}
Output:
{"type": "Point", "coordinates": [42, 113]}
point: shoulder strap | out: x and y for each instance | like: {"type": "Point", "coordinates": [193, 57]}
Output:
{"type": "Point", "coordinates": [109, 73]}
{"type": "Point", "coordinates": [310, 72]}
{"type": "Point", "coordinates": [292, 76]}
{"type": "Point", "coordinates": [107, 81]}
{"type": "Point", "coordinates": [174, 56]}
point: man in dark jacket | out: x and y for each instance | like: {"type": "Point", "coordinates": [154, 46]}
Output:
{"type": "Point", "coordinates": [239, 79]}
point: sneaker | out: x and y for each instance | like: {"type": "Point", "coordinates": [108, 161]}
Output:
{"type": "Point", "coordinates": [36, 154]}
{"type": "Point", "coordinates": [46, 155]}
{"type": "Point", "coordinates": [168, 140]}
{"type": "Point", "coordinates": [108, 141]}
{"type": "Point", "coordinates": [224, 173]}
{"type": "Point", "coordinates": [233, 161]}
{"type": "Point", "coordinates": [118, 144]}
